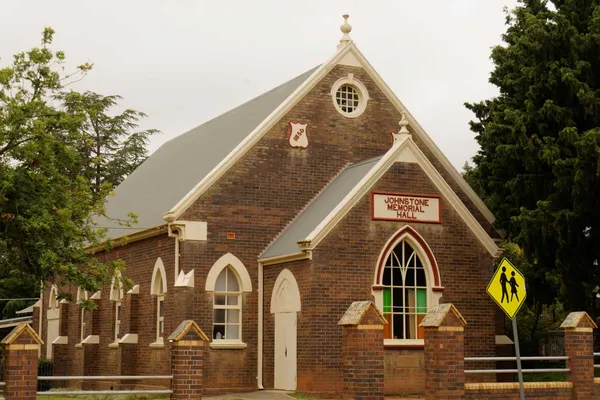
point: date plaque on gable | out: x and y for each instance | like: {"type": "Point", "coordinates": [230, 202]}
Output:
{"type": "Point", "coordinates": [406, 207]}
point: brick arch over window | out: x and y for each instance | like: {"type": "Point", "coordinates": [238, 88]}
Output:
{"type": "Point", "coordinates": [233, 262]}
{"type": "Point", "coordinates": [408, 234]}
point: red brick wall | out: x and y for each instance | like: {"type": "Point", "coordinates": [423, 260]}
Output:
{"type": "Point", "coordinates": [362, 351]}
{"type": "Point", "coordinates": [348, 257]}
{"type": "Point", "coordinates": [20, 369]}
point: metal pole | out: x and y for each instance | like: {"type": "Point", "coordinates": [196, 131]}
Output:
{"type": "Point", "coordinates": [518, 354]}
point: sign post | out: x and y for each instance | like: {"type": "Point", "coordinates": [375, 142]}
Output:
{"type": "Point", "coordinates": [507, 288]}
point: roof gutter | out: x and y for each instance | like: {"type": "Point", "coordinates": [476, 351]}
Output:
{"type": "Point", "coordinates": [126, 239]}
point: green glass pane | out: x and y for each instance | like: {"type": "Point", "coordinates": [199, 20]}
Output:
{"type": "Point", "coordinates": [421, 301]}
{"type": "Point", "coordinates": [387, 300]}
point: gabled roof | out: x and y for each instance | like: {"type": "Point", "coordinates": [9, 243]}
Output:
{"type": "Point", "coordinates": [347, 54]}
{"type": "Point", "coordinates": [316, 212]}
{"type": "Point", "coordinates": [179, 164]}
{"type": "Point", "coordinates": [352, 188]}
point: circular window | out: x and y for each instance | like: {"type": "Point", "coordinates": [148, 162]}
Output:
{"type": "Point", "coordinates": [347, 99]}
{"type": "Point", "coordinates": [349, 96]}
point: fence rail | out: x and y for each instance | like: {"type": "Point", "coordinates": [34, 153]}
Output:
{"type": "Point", "coordinates": [101, 378]}
{"type": "Point", "coordinates": [514, 371]}
{"type": "Point", "coordinates": [103, 392]}
{"type": "Point", "coordinates": [133, 392]}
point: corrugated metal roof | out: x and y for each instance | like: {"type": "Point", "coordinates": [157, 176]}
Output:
{"type": "Point", "coordinates": [11, 322]}
{"type": "Point", "coordinates": [319, 209]}
{"type": "Point", "coordinates": [181, 163]}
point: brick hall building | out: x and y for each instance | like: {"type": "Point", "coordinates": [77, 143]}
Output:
{"type": "Point", "coordinates": [264, 224]}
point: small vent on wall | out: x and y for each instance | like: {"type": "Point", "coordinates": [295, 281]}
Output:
{"type": "Point", "coordinates": [230, 235]}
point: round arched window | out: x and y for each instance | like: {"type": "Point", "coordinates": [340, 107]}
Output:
{"type": "Point", "coordinates": [349, 96]}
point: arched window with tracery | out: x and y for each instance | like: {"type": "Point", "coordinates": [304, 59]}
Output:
{"type": "Point", "coordinates": [404, 293]}
{"type": "Point", "coordinates": [407, 284]}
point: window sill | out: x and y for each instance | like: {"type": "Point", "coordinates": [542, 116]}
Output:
{"type": "Point", "coordinates": [225, 344]}
{"type": "Point", "coordinates": [79, 345]}
{"type": "Point", "coordinates": [157, 345]}
{"type": "Point", "coordinates": [114, 345]}
{"type": "Point", "coordinates": [404, 344]}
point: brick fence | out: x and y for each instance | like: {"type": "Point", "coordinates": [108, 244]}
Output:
{"type": "Point", "coordinates": [21, 362]}
{"type": "Point", "coordinates": [444, 362]}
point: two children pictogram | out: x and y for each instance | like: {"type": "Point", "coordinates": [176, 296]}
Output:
{"type": "Point", "coordinates": [513, 286]}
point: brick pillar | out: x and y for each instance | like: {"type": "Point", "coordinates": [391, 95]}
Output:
{"type": "Point", "coordinates": [362, 351]}
{"type": "Point", "coordinates": [444, 353]}
{"type": "Point", "coordinates": [187, 361]}
{"type": "Point", "coordinates": [579, 347]}
{"type": "Point", "coordinates": [21, 363]}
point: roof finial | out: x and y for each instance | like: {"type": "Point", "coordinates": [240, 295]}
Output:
{"type": "Point", "coordinates": [346, 28]}
{"type": "Point", "coordinates": [403, 124]}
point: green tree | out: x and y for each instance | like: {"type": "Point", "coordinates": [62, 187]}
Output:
{"type": "Point", "coordinates": [111, 147]}
{"type": "Point", "coordinates": [46, 199]}
{"type": "Point", "coordinates": [539, 163]}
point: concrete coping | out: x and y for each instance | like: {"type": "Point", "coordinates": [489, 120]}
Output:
{"type": "Point", "coordinates": [579, 319]}
{"type": "Point", "coordinates": [515, 385]}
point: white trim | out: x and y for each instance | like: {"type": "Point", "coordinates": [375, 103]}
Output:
{"type": "Point", "coordinates": [403, 342]}
{"type": "Point", "coordinates": [290, 102]}
{"type": "Point", "coordinates": [134, 290]}
{"type": "Point", "coordinates": [158, 268]}
{"type": "Point", "coordinates": [129, 338]}
{"type": "Point", "coordinates": [61, 340]}
{"type": "Point", "coordinates": [91, 339]}
{"type": "Point", "coordinates": [302, 255]}
{"type": "Point", "coordinates": [53, 300]}
{"type": "Point", "coordinates": [116, 279]}
{"type": "Point", "coordinates": [361, 189]}
{"type": "Point", "coordinates": [239, 268]}
{"type": "Point", "coordinates": [97, 295]}
{"type": "Point", "coordinates": [185, 280]}
{"type": "Point", "coordinates": [227, 344]}
{"type": "Point", "coordinates": [81, 295]}
{"type": "Point", "coordinates": [363, 95]}
{"type": "Point", "coordinates": [286, 280]}
{"type": "Point", "coordinates": [158, 344]}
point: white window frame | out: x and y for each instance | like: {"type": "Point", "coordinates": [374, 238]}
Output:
{"type": "Point", "coordinates": [245, 286]}
{"type": "Point", "coordinates": [116, 295]}
{"type": "Point", "coordinates": [158, 288]}
{"type": "Point", "coordinates": [236, 307]}
{"type": "Point", "coordinates": [361, 90]}
{"type": "Point", "coordinates": [81, 296]}
{"type": "Point", "coordinates": [433, 297]}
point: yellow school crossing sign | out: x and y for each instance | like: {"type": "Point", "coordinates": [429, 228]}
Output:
{"type": "Point", "coordinates": [507, 288]}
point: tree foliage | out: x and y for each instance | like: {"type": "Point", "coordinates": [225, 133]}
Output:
{"type": "Point", "coordinates": [110, 147]}
{"type": "Point", "coordinates": [539, 163]}
{"type": "Point", "coordinates": [51, 186]}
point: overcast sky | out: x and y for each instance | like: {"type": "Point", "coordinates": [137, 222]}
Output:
{"type": "Point", "coordinates": [183, 62]}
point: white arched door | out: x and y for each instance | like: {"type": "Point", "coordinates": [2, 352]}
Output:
{"type": "Point", "coordinates": [285, 304]}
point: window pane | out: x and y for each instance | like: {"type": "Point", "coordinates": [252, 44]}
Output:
{"type": "Point", "coordinates": [387, 300]}
{"type": "Point", "coordinates": [219, 316]}
{"type": "Point", "coordinates": [421, 279]}
{"type": "Point", "coordinates": [161, 327]}
{"type": "Point", "coordinates": [232, 300]}
{"type": "Point", "coordinates": [422, 301]}
{"type": "Point", "coordinates": [387, 329]}
{"type": "Point", "coordinates": [161, 308]}
{"type": "Point", "coordinates": [233, 332]}
{"type": "Point", "coordinates": [232, 282]}
{"type": "Point", "coordinates": [387, 276]}
{"type": "Point", "coordinates": [118, 312]}
{"type": "Point", "coordinates": [411, 300]}
{"type": "Point", "coordinates": [420, 329]}
{"type": "Point", "coordinates": [410, 275]}
{"type": "Point", "coordinates": [397, 277]}
{"type": "Point", "coordinates": [398, 326]}
{"type": "Point", "coordinates": [398, 297]}
{"type": "Point", "coordinates": [233, 316]}
{"type": "Point", "coordinates": [411, 326]}
{"type": "Point", "coordinates": [218, 331]}
{"type": "Point", "coordinates": [220, 285]}
{"type": "Point", "coordinates": [220, 300]}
